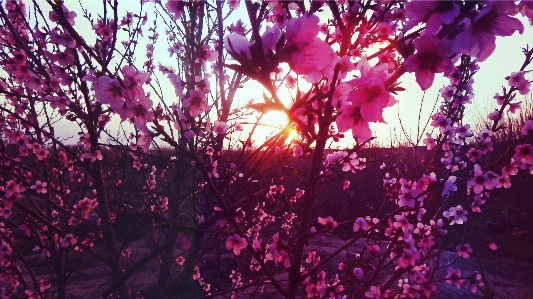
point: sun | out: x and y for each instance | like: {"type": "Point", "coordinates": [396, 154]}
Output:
{"type": "Point", "coordinates": [274, 122]}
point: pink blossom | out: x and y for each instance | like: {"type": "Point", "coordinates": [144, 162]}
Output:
{"type": "Point", "coordinates": [449, 185]}
{"type": "Point", "coordinates": [328, 223]}
{"type": "Point", "coordinates": [360, 223]}
{"type": "Point", "coordinates": [351, 118]}
{"type": "Point", "coordinates": [458, 214]}
{"type": "Point", "coordinates": [309, 55]}
{"type": "Point", "coordinates": [463, 250]}
{"type": "Point", "coordinates": [133, 81]}
{"type": "Point", "coordinates": [109, 91]}
{"type": "Point", "coordinates": [96, 155]}
{"type": "Point", "coordinates": [474, 282]}
{"type": "Point", "coordinates": [526, 9]}
{"type": "Point", "coordinates": [433, 13]}
{"type": "Point", "coordinates": [220, 127]}
{"type": "Point", "coordinates": [180, 260]}
{"type": "Point", "coordinates": [39, 187]}
{"type": "Point", "coordinates": [196, 103]}
{"type": "Point", "coordinates": [358, 273]}
{"type": "Point", "coordinates": [236, 243]}
{"type": "Point", "coordinates": [524, 153]}
{"type": "Point", "coordinates": [454, 277]}
{"type": "Point", "coordinates": [491, 244]}
{"type": "Point", "coordinates": [68, 15]}
{"type": "Point", "coordinates": [408, 257]}
{"type": "Point", "coordinates": [313, 258]}
{"type": "Point", "coordinates": [442, 122]}
{"type": "Point", "coordinates": [297, 151]}
{"type": "Point", "coordinates": [432, 57]}
{"type": "Point", "coordinates": [234, 4]}
{"type": "Point", "coordinates": [345, 184]}
{"type": "Point", "coordinates": [237, 44]}
{"type": "Point", "coordinates": [196, 273]}
{"type": "Point", "coordinates": [176, 7]}
{"type": "Point", "coordinates": [479, 37]}
{"type": "Point", "coordinates": [373, 292]}
{"type": "Point", "coordinates": [528, 128]}
{"type": "Point", "coordinates": [69, 239]}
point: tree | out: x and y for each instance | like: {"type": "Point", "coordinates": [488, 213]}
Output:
{"type": "Point", "coordinates": [179, 172]}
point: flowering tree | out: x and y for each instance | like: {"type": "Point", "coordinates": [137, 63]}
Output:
{"type": "Point", "coordinates": [217, 189]}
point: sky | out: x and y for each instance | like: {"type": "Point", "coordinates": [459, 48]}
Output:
{"type": "Point", "coordinates": [488, 81]}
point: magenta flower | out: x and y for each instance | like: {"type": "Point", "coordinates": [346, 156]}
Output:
{"type": "Point", "coordinates": [479, 37]}
{"type": "Point", "coordinates": [236, 243]}
{"type": "Point", "coordinates": [196, 103]}
{"type": "Point", "coordinates": [328, 223]}
{"type": "Point", "coordinates": [176, 7]}
{"type": "Point", "coordinates": [309, 55]}
{"type": "Point", "coordinates": [434, 13]}
{"type": "Point", "coordinates": [351, 118]}
{"type": "Point", "coordinates": [370, 94]}
{"type": "Point", "coordinates": [69, 239]}
{"type": "Point", "coordinates": [432, 57]}
{"type": "Point", "coordinates": [524, 154]}
{"type": "Point", "coordinates": [133, 80]}
{"type": "Point", "coordinates": [463, 250]}
{"type": "Point", "coordinates": [408, 258]}
{"type": "Point", "coordinates": [458, 214]}
{"type": "Point", "coordinates": [454, 277]}
{"type": "Point", "coordinates": [109, 91]}
{"type": "Point", "coordinates": [358, 273]}
{"type": "Point", "coordinates": [39, 187]}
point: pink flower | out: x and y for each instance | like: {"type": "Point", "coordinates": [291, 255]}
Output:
{"type": "Point", "coordinates": [196, 273]}
{"type": "Point", "coordinates": [449, 185]}
{"type": "Point", "coordinates": [39, 187]}
{"type": "Point", "coordinates": [351, 118]}
{"type": "Point", "coordinates": [328, 223]}
{"type": "Point", "coordinates": [491, 244]}
{"type": "Point", "coordinates": [69, 16]}
{"type": "Point", "coordinates": [526, 9]}
{"type": "Point", "coordinates": [109, 91]}
{"type": "Point", "coordinates": [407, 195]}
{"type": "Point", "coordinates": [133, 81]}
{"type": "Point", "coordinates": [373, 292]}
{"type": "Point", "coordinates": [433, 13]}
{"type": "Point", "coordinates": [431, 57]}
{"type": "Point", "coordinates": [69, 239]}
{"type": "Point", "coordinates": [234, 4]}
{"type": "Point", "coordinates": [360, 223]}
{"type": "Point", "coordinates": [312, 258]}
{"type": "Point", "coordinates": [309, 55]}
{"type": "Point", "coordinates": [474, 282]}
{"type": "Point", "coordinates": [176, 7]}
{"type": "Point", "coordinates": [528, 128]}
{"type": "Point", "coordinates": [180, 260]}
{"type": "Point", "coordinates": [524, 153]}
{"type": "Point", "coordinates": [345, 184]}
{"type": "Point", "coordinates": [479, 37]}
{"type": "Point", "coordinates": [220, 127]}
{"type": "Point", "coordinates": [370, 94]}
{"type": "Point", "coordinates": [97, 155]}
{"type": "Point", "coordinates": [408, 257]}
{"type": "Point", "coordinates": [458, 214]}
{"type": "Point", "coordinates": [358, 272]}
{"type": "Point", "coordinates": [196, 103]}
{"type": "Point", "coordinates": [463, 250]}
{"type": "Point", "coordinates": [236, 243]}
{"type": "Point", "coordinates": [297, 151]}
{"type": "Point", "coordinates": [454, 277]}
